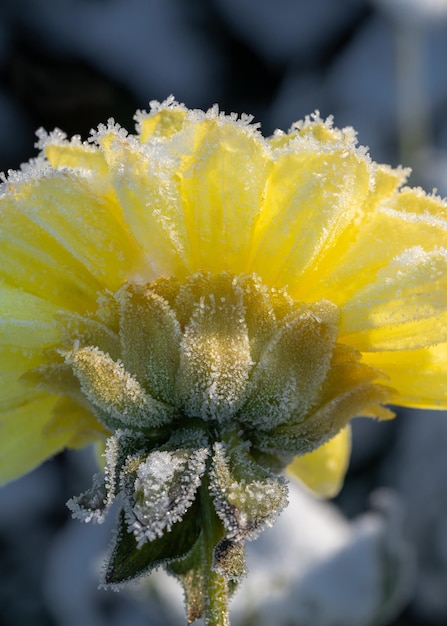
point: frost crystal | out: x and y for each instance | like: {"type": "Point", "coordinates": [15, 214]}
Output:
{"type": "Point", "coordinates": [165, 487]}
{"type": "Point", "coordinates": [247, 497]}
{"type": "Point", "coordinates": [93, 504]}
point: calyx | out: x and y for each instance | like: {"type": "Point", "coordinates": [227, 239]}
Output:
{"type": "Point", "coordinates": [208, 389]}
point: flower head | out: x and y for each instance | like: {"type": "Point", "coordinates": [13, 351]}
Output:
{"type": "Point", "coordinates": [217, 306]}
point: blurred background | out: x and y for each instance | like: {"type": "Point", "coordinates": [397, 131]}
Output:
{"type": "Point", "coordinates": [378, 553]}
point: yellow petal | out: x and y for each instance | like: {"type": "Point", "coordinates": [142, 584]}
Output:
{"type": "Point", "coordinates": [419, 376]}
{"type": "Point", "coordinates": [23, 443]}
{"type": "Point", "coordinates": [84, 158]}
{"type": "Point", "coordinates": [63, 154]}
{"type": "Point", "coordinates": [26, 321]}
{"type": "Point", "coordinates": [312, 194]}
{"type": "Point", "coordinates": [163, 122]}
{"type": "Point", "coordinates": [75, 424]}
{"type": "Point", "coordinates": [39, 428]}
{"type": "Point", "coordinates": [145, 186]}
{"type": "Point", "coordinates": [405, 308]}
{"type": "Point", "coordinates": [323, 470]}
{"type": "Point", "coordinates": [60, 220]}
{"type": "Point", "coordinates": [391, 223]}
{"type": "Point", "coordinates": [14, 363]}
{"type": "Point", "coordinates": [32, 259]}
{"type": "Point", "coordinates": [313, 126]}
{"type": "Point", "coordinates": [221, 182]}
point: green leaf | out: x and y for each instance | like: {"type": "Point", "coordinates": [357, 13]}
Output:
{"type": "Point", "coordinates": [162, 489]}
{"type": "Point", "coordinates": [127, 562]}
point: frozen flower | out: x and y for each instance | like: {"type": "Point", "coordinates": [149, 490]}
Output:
{"type": "Point", "coordinates": [217, 307]}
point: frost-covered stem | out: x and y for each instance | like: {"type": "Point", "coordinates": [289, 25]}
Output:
{"type": "Point", "coordinates": [215, 585]}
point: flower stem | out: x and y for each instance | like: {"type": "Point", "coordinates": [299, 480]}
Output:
{"type": "Point", "coordinates": [215, 586]}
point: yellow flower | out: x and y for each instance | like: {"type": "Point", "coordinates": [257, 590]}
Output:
{"type": "Point", "coordinates": [305, 218]}
{"type": "Point", "coordinates": [214, 307]}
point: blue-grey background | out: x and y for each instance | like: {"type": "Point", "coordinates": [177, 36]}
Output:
{"type": "Point", "coordinates": [379, 66]}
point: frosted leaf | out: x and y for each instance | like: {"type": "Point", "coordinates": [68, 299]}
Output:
{"type": "Point", "coordinates": [96, 501]}
{"type": "Point", "coordinates": [119, 448]}
{"type": "Point", "coordinates": [288, 378]}
{"type": "Point", "coordinates": [150, 339]}
{"type": "Point", "coordinates": [93, 504]}
{"type": "Point", "coordinates": [117, 394]}
{"type": "Point", "coordinates": [215, 360]}
{"type": "Point", "coordinates": [350, 390]}
{"type": "Point", "coordinates": [164, 489]}
{"type": "Point", "coordinates": [259, 314]}
{"type": "Point", "coordinates": [247, 497]}
{"type": "Point", "coordinates": [127, 562]}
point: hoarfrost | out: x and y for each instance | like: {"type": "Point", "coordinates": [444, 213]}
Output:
{"type": "Point", "coordinates": [165, 487]}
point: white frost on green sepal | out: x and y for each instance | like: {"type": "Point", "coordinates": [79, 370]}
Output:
{"type": "Point", "coordinates": [259, 314]}
{"type": "Point", "coordinates": [164, 489]}
{"type": "Point", "coordinates": [115, 392]}
{"type": "Point", "coordinates": [93, 504]}
{"type": "Point", "coordinates": [150, 341]}
{"type": "Point", "coordinates": [247, 497]}
{"type": "Point", "coordinates": [215, 359]}
{"type": "Point", "coordinates": [288, 378]}
{"type": "Point", "coordinates": [119, 448]}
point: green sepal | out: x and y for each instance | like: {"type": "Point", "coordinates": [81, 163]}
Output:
{"type": "Point", "coordinates": [229, 559]}
{"type": "Point", "coordinates": [247, 497]}
{"type": "Point", "coordinates": [128, 562]}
